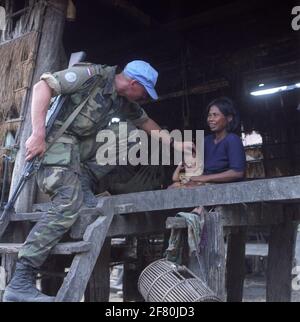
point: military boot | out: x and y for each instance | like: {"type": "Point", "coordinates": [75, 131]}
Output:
{"type": "Point", "coordinates": [22, 286]}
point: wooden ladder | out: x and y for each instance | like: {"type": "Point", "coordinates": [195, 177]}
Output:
{"type": "Point", "coordinates": [92, 226]}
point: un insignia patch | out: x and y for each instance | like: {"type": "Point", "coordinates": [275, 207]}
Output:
{"type": "Point", "coordinates": [71, 77]}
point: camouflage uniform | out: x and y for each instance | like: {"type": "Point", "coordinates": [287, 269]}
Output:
{"type": "Point", "coordinates": [63, 165]}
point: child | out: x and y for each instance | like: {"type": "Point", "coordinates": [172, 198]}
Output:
{"type": "Point", "coordinates": [184, 171]}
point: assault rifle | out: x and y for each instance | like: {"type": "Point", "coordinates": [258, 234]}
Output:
{"type": "Point", "coordinates": [31, 166]}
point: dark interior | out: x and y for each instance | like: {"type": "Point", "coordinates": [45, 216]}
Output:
{"type": "Point", "coordinates": [204, 50]}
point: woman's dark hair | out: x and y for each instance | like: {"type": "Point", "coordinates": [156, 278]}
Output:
{"type": "Point", "coordinates": [226, 107]}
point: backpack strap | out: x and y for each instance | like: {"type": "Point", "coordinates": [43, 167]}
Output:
{"type": "Point", "coordinates": [73, 115]}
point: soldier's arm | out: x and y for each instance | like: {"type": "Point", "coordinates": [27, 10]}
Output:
{"type": "Point", "coordinates": [66, 81]}
{"type": "Point", "coordinates": [153, 129]}
{"type": "Point", "coordinates": [36, 145]}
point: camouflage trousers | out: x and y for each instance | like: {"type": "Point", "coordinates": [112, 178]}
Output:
{"type": "Point", "coordinates": [64, 178]}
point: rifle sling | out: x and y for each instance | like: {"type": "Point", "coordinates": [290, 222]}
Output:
{"type": "Point", "coordinates": [72, 116]}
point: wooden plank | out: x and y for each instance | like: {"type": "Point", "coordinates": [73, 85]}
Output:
{"type": "Point", "coordinates": [235, 265]}
{"type": "Point", "coordinates": [74, 285]}
{"type": "Point", "coordinates": [283, 189]}
{"type": "Point", "coordinates": [35, 216]}
{"type": "Point", "coordinates": [280, 260]}
{"type": "Point", "coordinates": [131, 224]}
{"type": "Point", "coordinates": [59, 249]}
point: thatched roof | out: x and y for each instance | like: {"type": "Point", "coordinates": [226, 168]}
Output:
{"type": "Point", "coordinates": [17, 51]}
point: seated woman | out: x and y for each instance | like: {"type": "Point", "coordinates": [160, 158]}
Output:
{"type": "Point", "coordinates": [224, 161]}
{"type": "Point", "coordinates": [224, 155]}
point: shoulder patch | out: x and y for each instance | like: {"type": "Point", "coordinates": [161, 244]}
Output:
{"type": "Point", "coordinates": [71, 77]}
{"type": "Point", "coordinates": [92, 70]}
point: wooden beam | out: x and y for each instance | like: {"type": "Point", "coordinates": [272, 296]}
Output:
{"type": "Point", "coordinates": [59, 249]}
{"type": "Point", "coordinates": [151, 222]}
{"type": "Point", "coordinates": [284, 189]}
{"type": "Point", "coordinates": [275, 190]}
{"type": "Point", "coordinates": [132, 11]}
{"type": "Point", "coordinates": [216, 14]}
{"type": "Point", "coordinates": [280, 259]}
{"type": "Point", "coordinates": [235, 264]}
{"type": "Point", "coordinates": [196, 90]}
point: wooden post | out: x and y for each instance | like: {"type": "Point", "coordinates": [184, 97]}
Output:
{"type": "Point", "coordinates": [210, 264]}
{"type": "Point", "coordinates": [132, 271]}
{"type": "Point", "coordinates": [215, 253]}
{"type": "Point", "coordinates": [280, 259]}
{"type": "Point", "coordinates": [98, 288]}
{"type": "Point", "coordinates": [235, 265]}
{"type": "Point", "coordinates": [48, 59]}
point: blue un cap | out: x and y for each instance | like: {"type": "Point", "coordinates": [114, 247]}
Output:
{"type": "Point", "coordinates": [143, 73]}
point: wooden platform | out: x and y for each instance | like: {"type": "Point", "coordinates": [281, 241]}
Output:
{"type": "Point", "coordinates": [60, 249]}
{"type": "Point", "coordinates": [267, 202]}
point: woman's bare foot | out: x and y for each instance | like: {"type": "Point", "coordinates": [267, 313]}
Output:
{"type": "Point", "coordinates": [198, 210]}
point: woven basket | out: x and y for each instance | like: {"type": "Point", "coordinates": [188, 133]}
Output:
{"type": "Point", "coordinates": [164, 281]}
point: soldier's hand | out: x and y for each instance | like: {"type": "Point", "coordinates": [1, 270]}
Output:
{"type": "Point", "coordinates": [187, 147]}
{"type": "Point", "coordinates": [35, 146]}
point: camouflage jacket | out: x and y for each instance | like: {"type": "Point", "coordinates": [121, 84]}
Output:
{"type": "Point", "coordinates": [105, 104]}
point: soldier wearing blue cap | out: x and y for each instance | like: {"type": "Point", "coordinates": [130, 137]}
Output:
{"type": "Point", "coordinates": [60, 176]}
{"type": "Point", "coordinates": [144, 74]}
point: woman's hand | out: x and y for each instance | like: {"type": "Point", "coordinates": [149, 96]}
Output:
{"type": "Point", "coordinates": [175, 176]}
{"type": "Point", "coordinates": [186, 147]}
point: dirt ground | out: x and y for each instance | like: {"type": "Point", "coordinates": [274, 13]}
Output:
{"type": "Point", "coordinates": [254, 291]}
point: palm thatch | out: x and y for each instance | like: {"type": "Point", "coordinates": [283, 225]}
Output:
{"type": "Point", "coordinates": [17, 64]}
